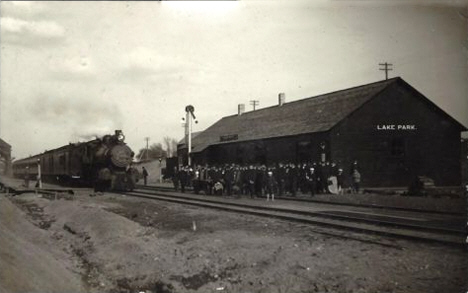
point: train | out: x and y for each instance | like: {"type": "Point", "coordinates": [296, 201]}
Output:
{"type": "Point", "coordinates": [103, 163]}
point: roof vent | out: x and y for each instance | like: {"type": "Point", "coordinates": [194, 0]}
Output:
{"type": "Point", "coordinates": [240, 109]}
{"type": "Point", "coordinates": [281, 99]}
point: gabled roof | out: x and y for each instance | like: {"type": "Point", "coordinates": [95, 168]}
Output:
{"type": "Point", "coordinates": [310, 115]}
{"type": "Point", "coordinates": [315, 114]}
{"type": "Point", "coordinates": [181, 143]}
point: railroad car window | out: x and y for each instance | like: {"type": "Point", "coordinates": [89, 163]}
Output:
{"type": "Point", "coordinates": [398, 147]}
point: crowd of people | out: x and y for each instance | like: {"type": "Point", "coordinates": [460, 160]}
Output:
{"type": "Point", "coordinates": [283, 179]}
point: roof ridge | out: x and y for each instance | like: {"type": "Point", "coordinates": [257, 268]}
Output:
{"type": "Point", "coordinates": [317, 96]}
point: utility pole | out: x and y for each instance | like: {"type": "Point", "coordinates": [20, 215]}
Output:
{"type": "Point", "coordinates": [386, 68]}
{"type": "Point", "coordinates": [254, 103]}
{"type": "Point", "coordinates": [147, 140]}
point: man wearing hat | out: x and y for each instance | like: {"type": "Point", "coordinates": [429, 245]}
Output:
{"type": "Point", "coordinates": [311, 178]}
{"type": "Point", "coordinates": [339, 180]}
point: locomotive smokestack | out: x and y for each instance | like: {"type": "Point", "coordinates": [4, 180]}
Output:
{"type": "Point", "coordinates": [240, 109]}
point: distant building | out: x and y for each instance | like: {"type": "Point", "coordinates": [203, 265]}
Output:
{"type": "Point", "coordinates": [5, 158]}
{"type": "Point", "coordinates": [393, 131]}
{"type": "Point", "coordinates": [155, 169]}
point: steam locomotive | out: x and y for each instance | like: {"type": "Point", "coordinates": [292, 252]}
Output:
{"type": "Point", "coordinates": [104, 163]}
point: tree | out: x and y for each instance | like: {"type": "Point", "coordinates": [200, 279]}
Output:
{"type": "Point", "coordinates": [155, 151]}
{"type": "Point", "coordinates": [171, 146]}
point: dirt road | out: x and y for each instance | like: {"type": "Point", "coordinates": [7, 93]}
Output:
{"type": "Point", "coordinates": [114, 243]}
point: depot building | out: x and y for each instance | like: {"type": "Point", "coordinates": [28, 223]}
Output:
{"type": "Point", "coordinates": [393, 131]}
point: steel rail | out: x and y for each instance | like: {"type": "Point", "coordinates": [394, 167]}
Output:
{"type": "Point", "coordinates": [397, 231]}
{"type": "Point", "coordinates": [374, 206]}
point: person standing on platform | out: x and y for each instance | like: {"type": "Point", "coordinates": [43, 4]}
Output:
{"type": "Point", "coordinates": [259, 180]}
{"type": "Point", "coordinates": [287, 179]}
{"type": "Point", "coordinates": [175, 179]}
{"type": "Point", "coordinates": [229, 179]}
{"type": "Point", "coordinates": [339, 180]}
{"type": "Point", "coordinates": [311, 178]}
{"type": "Point", "coordinates": [326, 175]}
{"type": "Point", "coordinates": [321, 179]}
{"type": "Point", "coordinates": [280, 179]}
{"type": "Point", "coordinates": [294, 178]}
{"type": "Point", "coordinates": [333, 169]}
{"type": "Point", "coordinates": [356, 177]}
{"type": "Point", "coordinates": [245, 185]}
{"type": "Point", "coordinates": [250, 177]}
{"type": "Point", "coordinates": [354, 166]}
{"type": "Point", "coordinates": [145, 175]}
{"type": "Point", "coordinates": [302, 181]}
{"type": "Point", "coordinates": [270, 185]}
{"type": "Point", "coordinates": [237, 181]}
{"type": "Point", "coordinates": [183, 178]}
{"type": "Point", "coordinates": [217, 183]}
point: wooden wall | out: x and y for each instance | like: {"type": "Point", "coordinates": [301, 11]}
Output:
{"type": "Point", "coordinates": [394, 157]}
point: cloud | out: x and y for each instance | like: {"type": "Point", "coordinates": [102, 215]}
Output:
{"type": "Point", "coordinates": [75, 68]}
{"type": "Point", "coordinates": [84, 116]}
{"type": "Point", "coordinates": [145, 64]}
{"type": "Point", "coordinates": [23, 9]}
{"type": "Point", "coordinates": [29, 33]}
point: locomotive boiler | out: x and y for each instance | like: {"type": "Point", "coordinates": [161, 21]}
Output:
{"type": "Point", "coordinates": [104, 163]}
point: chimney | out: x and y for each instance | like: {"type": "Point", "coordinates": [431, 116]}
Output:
{"type": "Point", "coordinates": [281, 99]}
{"type": "Point", "coordinates": [241, 109]}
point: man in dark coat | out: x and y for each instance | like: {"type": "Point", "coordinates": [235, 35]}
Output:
{"type": "Point", "coordinates": [281, 179]}
{"type": "Point", "coordinates": [311, 178]}
{"type": "Point", "coordinates": [183, 179]}
{"type": "Point", "coordinates": [339, 180]}
{"type": "Point", "coordinates": [175, 179]}
{"type": "Point", "coordinates": [250, 176]}
{"type": "Point", "coordinates": [237, 181]}
{"type": "Point", "coordinates": [229, 179]}
{"type": "Point", "coordinates": [259, 181]}
{"type": "Point", "coordinates": [270, 185]}
{"type": "Point", "coordinates": [145, 175]}
{"type": "Point", "coordinates": [302, 182]}
{"type": "Point", "coordinates": [326, 171]}
{"type": "Point", "coordinates": [321, 181]}
{"type": "Point", "coordinates": [293, 178]}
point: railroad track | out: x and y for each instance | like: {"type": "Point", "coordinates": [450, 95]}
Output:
{"type": "Point", "coordinates": [45, 191]}
{"type": "Point", "coordinates": [349, 222]}
{"type": "Point", "coordinates": [373, 206]}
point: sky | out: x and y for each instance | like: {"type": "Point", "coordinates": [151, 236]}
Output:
{"type": "Point", "coordinates": [73, 70]}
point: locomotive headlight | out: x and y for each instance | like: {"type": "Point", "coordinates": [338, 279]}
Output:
{"type": "Point", "coordinates": [121, 137]}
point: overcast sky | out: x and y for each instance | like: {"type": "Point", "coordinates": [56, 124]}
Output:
{"type": "Point", "coordinates": [70, 70]}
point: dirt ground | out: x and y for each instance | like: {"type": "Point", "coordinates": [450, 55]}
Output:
{"type": "Point", "coordinates": [114, 243]}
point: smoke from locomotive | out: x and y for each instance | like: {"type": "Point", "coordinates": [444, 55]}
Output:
{"type": "Point", "coordinates": [104, 163]}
